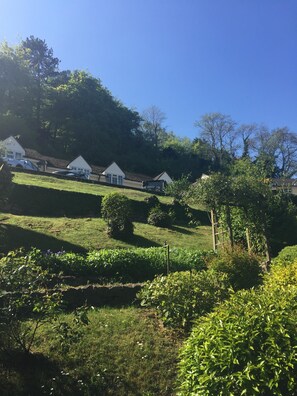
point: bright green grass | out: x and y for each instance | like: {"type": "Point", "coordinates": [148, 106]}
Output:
{"type": "Point", "coordinates": [122, 352]}
{"type": "Point", "coordinates": [75, 234]}
{"type": "Point", "coordinates": [77, 186]}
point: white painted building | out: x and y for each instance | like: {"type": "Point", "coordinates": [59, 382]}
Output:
{"type": "Point", "coordinates": [165, 177]}
{"type": "Point", "coordinates": [114, 174]}
{"type": "Point", "coordinates": [12, 148]}
{"type": "Point", "coordinates": [80, 165]}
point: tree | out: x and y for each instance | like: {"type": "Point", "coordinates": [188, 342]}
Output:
{"type": "Point", "coordinates": [219, 132]}
{"type": "Point", "coordinates": [244, 201]}
{"type": "Point", "coordinates": [116, 212]}
{"type": "Point", "coordinates": [42, 65]}
{"type": "Point", "coordinates": [153, 119]}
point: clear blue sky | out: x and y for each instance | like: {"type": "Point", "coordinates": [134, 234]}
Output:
{"type": "Point", "coordinates": [188, 57]}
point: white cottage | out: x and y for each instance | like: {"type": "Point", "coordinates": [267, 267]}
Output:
{"type": "Point", "coordinates": [114, 174]}
{"type": "Point", "coordinates": [12, 148]}
{"type": "Point", "coordinates": [165, 177]}
{"type": "Point", "coordinates": [80, 165]}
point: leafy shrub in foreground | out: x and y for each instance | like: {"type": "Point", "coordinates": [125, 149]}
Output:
{"type": "Point", "coordinates": [243, 270]}
{"type": "Point", "coordinates": [248, 346]}
{"type": "Point", "coordinates": [181, 297]}
{"type": "Point", "coordinates": [286, 256]}
{"type": "Point", "coordinates": [280, 275]}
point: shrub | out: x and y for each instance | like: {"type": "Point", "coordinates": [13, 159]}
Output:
{"type": "Point", "coordinates": [152, 201]}
{"type": "Point", "coordinates": [117, 213]}
{"type": "Point", "coordinates": [243, 269]}
{"type": "Point", "coordinates": [246, 347]}
{"type": "Point", "coordinates": [286, 256]}
{"type": "Point", "coordinates": [281, 275]}
{"type": "Point", "coordinates": [181, 297]}
{"type": "Point", "coordinates": [158, 218]}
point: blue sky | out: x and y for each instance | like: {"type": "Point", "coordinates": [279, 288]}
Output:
{"type": "Point", "coordinates": [188, 57]}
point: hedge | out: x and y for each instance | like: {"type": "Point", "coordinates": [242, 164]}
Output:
{"type": "Point", "coordinates": [40, 201]}
{"type": "Point", "coordinates": [248, 346]}
{"type": "Point", "coordinates": [120, 265]}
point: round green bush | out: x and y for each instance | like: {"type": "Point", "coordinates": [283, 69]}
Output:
{"type": "Point", "coordinates": [243, 269]}
{"type": "Point", "coordinates": [248, 346]}
{"type": "Point", "coordinates": [116, 211]}
{"type": "Point", "coordinates": [158, 218]}
{"type": "Point", "coordinates": [180, 297]}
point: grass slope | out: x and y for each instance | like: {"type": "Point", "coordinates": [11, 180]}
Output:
{"type": "Point", "coordinates": [78, 234]}
{"type": "Point", "coordinates": [121, 352]}
{"type": "Point", "coordinates": [77, 186]}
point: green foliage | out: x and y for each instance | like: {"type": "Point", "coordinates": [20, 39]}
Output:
{"type": "Point", "coordinates": [281, 275]}
{"type": "Point", "coordinates": [181, 297]}
{"type": "Point", "coordinates": [158, 218]}
{"type": "Point", "coordinates": [127, 265]}
{"type": "Point", "coordinates": [246, 347]}
{"type": "Point", "coordinates": [178, 188]}
{"type": "Point", "coordinates": [25, 294]}
{"type": "Point", "coordinates": [242, 269]}
{"type": "Point", "coordinates": [286, 256]}
{"type": "Point", "coordinates": [117, 213]}
{"type": "Point", "coordinates": [5, 181]}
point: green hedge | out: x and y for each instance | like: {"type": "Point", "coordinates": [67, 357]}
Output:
{"type": "Point", "coordinates": [40, 201]}
{"type": "Point", "coordinates": [126, 265]}
{"type": "Point", "coordinates": [248, 346]}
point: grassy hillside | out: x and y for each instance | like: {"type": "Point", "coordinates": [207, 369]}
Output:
{"type": "Point", "coordinates": [78, 234]}
{"type": "Point", "coordinates": [77, 186]}
{"type": "Point", "coordinates": [39, 222]}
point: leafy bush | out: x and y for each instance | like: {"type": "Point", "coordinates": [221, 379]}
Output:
{"type": "Point", "coordinates": [280, 275]}
{"type": "Point", "coordinates": [128, 265]}
{"type": "Point", "coordinates": [117, 212]}
{"type": "Point", "coordinates": [243, 269]}
{"type": "Point", "coordinates": [25, 294]}
{"type": "Point", "coordinates": [286, 256]}
{"type": "Point", "coordinates": [181, 297]}
{"type": "Point", "coordinates": [152, 201]}
{"type": "Point", "coordinates": [158, 218]}
{"type": "Point", "coordinates": [246, 347]}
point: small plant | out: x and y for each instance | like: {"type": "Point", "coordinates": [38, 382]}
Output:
{"type": "Point", "coordinates": [181, 297]}
{"type": "Point", "coordinates": [158, 218]}
{"type": "Point", "coordinates": [117, 213]}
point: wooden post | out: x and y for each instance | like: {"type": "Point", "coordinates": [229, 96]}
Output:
{"type": "Point", "coordinates": [248, 240]}
{"type": "Point", "coordinates": [213, 228]}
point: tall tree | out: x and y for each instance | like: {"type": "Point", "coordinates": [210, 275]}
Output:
{"type": "Point", "coordinates": [219, 132]}
{"type": "Point", "coordinates": [153, 119]}
{"type": "Point", "coordinates": [42, 65]}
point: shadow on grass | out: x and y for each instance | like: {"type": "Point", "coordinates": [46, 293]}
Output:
{"type": "Point", "coordinates": [12, 237]}
{"type": "Point", "coordinates": [32, 374]}
{"type": "Point", "coordinates": [181, 230]}
{"type": "Point", "coordinates": [140, 241]}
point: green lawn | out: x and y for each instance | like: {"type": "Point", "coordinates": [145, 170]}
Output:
{"type": "Point", "coordinates": [77, 186]}
{"type": "Point", "coordinates": [121, 352]}
{"type": "Point", "coordinates": [76, 234]}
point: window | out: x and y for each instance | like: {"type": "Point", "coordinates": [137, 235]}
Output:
{"type": "Point", "coordinates": [120, 180]}
{"type": "Point", "coordinates": [108, 178]}
{"type": "Point", "coordinates": [9, 154]}
{"type": "Point", "coordinates": [114, 179]}
{"type": "Point", "coordinates": [18, 155]}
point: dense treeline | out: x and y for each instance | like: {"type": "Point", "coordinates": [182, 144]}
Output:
{"type": "Point", "coordinates": [65, 113]}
